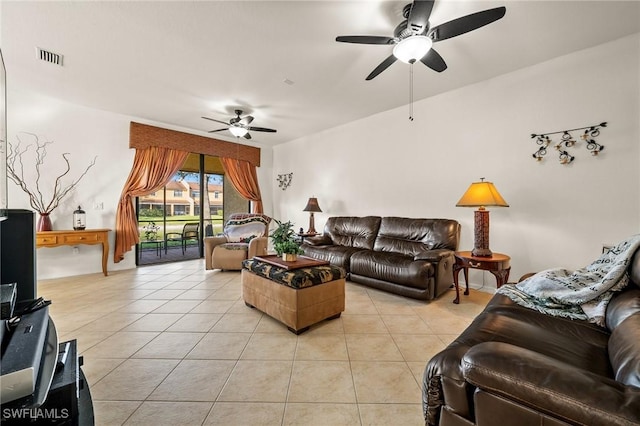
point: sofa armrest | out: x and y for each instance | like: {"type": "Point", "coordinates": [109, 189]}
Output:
{"type": "Point", "coordinates": [318, 240]}
{"type": "Point", "coordinates": [209, 244]}
{"type": "Point", "coordinates": [257, 247]}
{"type": "Point", "coordinates": [549, 386]}
{"type": "Point", "coordinates": [433, 255]}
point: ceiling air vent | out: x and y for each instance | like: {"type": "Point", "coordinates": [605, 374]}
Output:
{"type": "Point", "coordinates": [45, 55]}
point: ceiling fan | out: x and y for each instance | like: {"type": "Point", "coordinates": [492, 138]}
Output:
{"type": "Point", "coordinates": [413, 38]}
{"type": "Point", "coordinates": [239, 126]}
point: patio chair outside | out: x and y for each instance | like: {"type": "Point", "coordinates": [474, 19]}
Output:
{"type": "Point", "coordinates": [190, 232]}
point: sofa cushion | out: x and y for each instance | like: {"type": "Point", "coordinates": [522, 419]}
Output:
{"type": "Point", "coordinates": [622, 306]}
{"type": "Point", "coordinates": [579, 343]}
{"type": "Point", "coordinates": [624, 351]}
{"type": "Point", "coordinates": [392, 267]}
{"type": "Point", "coordinates": [412, 236]}
{"type": "Point", "coordinates": [336, 255]}
{"type": "Point", "coordinates": [357, 232]}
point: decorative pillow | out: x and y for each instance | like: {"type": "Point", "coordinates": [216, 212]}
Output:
{"type": "Point", "coordinates": [244, 230]}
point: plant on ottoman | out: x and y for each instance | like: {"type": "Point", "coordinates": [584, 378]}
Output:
{"type": "Point", "coordinates": [284, 242]}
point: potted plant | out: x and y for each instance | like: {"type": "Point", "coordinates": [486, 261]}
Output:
{"type": "Point", "coordinates": [284, 242]}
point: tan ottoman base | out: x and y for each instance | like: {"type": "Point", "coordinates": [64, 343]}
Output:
{"type": "Point", "coordinates": [297, 309]}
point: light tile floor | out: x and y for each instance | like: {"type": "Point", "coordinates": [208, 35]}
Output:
{"type": "Point", "coordinates": [174, 344]}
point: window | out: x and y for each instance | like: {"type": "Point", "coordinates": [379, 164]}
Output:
{"type": "Point", "coordinates": [195, 194]}
{"type": "Point", "coordinates": [216, 194]}
{"type": "Point", "coordinates": [177, 192]}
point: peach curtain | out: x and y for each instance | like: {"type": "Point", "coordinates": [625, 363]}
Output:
{"type": "Point", "coordinates": [244, 178]}
{"type": "Point", "coordinates": [152, 168]}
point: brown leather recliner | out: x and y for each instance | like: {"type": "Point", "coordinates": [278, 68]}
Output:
{"type": "Point", "coordinates": [514, 366]}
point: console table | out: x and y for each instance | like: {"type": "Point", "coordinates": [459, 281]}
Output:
{"type": "Point", "coordinates": [73, 238]}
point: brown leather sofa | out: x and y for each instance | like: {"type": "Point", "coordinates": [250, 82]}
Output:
{"type": "Point", "coordinates": [410, 257]}
{"type": "Point", "coordinates": [516, 366]}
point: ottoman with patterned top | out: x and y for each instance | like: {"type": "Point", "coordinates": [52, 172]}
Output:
{"type": "Point", "coordinates": [294, 293]}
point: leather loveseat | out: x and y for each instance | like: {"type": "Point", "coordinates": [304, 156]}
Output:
{"type": "Point", "coordinates": [410, 257]}
{"type": "Point", "coordinates": [516, 366]}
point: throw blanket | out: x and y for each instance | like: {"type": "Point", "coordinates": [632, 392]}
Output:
{"type": "Point", "coordinates": [583, 294]}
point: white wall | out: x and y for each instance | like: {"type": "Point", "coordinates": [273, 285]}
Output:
{"type": "Point", "coordinates": [558, 216]}
{"type": "Point", "coordinates": [84, 133]}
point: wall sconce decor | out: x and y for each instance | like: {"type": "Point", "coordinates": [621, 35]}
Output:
{"type": "Point", "coordinates": [284, 180]}
{"type": "Point", "coordinates": [567, 141]}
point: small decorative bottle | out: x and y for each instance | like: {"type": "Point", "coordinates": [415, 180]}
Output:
{"type": "Point", "coordinates": [79, 218]}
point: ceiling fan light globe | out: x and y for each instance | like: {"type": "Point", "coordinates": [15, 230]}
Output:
{"type": "Point", "coordinates": [412, 48]}
{"type": "Point", "coordinates": [238, 131]}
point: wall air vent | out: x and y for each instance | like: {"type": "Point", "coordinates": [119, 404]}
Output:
{"type": "Point", "coordinates": [45, 55]}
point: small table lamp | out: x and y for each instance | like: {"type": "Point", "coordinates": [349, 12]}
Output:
{"type": "Point", "coordinates": [312, 207]}
{"type": "Point", "coordinates": [481, 194]}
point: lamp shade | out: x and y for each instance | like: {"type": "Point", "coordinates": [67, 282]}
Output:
{"type": "Point", "coordinates": [312, 206]}
{"type": "Point", "coordinates": [238, 131]}
{"type": "Point", "coordinates": [482, 194]}
{"type": "Point", "coordinates": [412, 49]}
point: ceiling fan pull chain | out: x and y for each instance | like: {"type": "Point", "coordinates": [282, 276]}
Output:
{"type": "Point", "coordinates": [411, 92]}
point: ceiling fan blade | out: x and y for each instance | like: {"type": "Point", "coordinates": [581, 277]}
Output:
{"type": "Point", "coordinates": [418, 20]}
{"type": "Point", "coordinates": [217, 121]}
{"type": "Point", "coordinates": [434, 61]}
{"type": "Point", "coordinates": [466, 23]}
{"type": "Point", "coordinates": [262, 129]}
{"type": "Point", "coordinates": [383, 66]}
{"type": "Point", "coordinates": [219, 130]}
{"type": "Point", "coordinates": [366, 39]}
{"type": "Point", "coordinates": [246, 120]}
{"type": "Point", "coordinates": [247, 136]}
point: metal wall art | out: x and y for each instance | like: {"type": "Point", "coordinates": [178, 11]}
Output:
{"type": "Point", "coordinates": [284, 180]}
{"type": "Point", "coordinates": [567, 141]}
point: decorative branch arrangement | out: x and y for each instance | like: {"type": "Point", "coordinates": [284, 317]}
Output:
{"type": "Point", "coordinates": [284, 180]}
{"type": "Point", "coordinates": [15, 169]}
{"type": "Point", "coordinates": [567, 141]}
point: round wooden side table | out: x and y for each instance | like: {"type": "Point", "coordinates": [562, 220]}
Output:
{"type": "Point", "coordinates": [498, 264]}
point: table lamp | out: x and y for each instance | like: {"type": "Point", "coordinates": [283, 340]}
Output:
{"type": "Point", "coordinates": [481, 194]}
{"type": "Point", "coordinates": [312, 207]}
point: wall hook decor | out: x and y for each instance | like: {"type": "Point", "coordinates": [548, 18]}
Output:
{"type": "Point", "coordinates": [284, 180]}
{"type": "Point", "coordinates": [568, 141]}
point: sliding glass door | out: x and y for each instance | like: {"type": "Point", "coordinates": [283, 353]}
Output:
{"type": "Point", "coordinates": [172, 222]}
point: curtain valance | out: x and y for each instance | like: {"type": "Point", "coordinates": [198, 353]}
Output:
{"type": "Point", "coordinates": [142, 136]}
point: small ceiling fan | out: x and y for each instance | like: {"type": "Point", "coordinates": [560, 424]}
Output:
{"type": "Point", "coordinates": [413, 38]}
{"type": "Point", "coordinates": [239, 126]}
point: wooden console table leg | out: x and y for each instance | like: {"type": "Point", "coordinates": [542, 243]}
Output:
{"type": "Point", "coordinates": [105, 256]}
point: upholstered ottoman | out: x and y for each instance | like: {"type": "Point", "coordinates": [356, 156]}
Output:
{"type": "Point", "coordinates": [297, 297]}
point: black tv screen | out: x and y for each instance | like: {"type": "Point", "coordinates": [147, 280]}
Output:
{"type": "Point", "coordinates": [3, 140]}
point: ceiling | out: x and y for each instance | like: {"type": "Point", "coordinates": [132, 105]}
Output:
{"type": "Point", "coordinates": [173, 62]}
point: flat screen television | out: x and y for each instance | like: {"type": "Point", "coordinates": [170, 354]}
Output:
{"type": "Point", "coordinates": [3, 140]}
